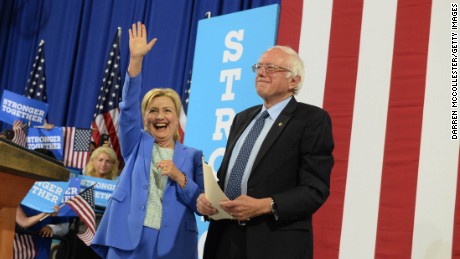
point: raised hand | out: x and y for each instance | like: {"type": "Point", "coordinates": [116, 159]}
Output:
{"type": "Point", "coordinates": [138, 47]}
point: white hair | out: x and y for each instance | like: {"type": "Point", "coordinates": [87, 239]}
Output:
{"type": "Point", "coordinates": [295, 64]}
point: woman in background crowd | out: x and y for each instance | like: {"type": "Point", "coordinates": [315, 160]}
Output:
{"type": "Point", "coordinates": [39, 224]}
{"type": "Point", "coordinates": [103, 163]}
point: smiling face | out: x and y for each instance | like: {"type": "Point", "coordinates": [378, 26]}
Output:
{"type": "Point", "coordinates": [275, 86]}
{"type": "Point", "coordinates": [161, 120]}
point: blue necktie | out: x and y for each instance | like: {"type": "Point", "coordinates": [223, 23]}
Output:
{"type": "Point", "coordinates": [233, 189]}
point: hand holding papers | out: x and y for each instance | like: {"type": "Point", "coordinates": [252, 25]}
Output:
{"type": "Point", "coordinates": [214, 194]}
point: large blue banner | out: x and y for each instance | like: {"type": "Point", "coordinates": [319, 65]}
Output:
{"type": "Point", "coordinates": [18, 107]}
{"type": "Point", "coordinates": [43, 196]}
{"type": "Point", "coordinates": [222, 81]}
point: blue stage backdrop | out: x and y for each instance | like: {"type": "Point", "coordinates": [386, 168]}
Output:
{"type": "Point", "coordinates": [76, 50]}
{"type": "Point", "coordinates": [222, 80]}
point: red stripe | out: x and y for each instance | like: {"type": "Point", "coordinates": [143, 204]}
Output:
{"type": "Point", "coordinates": [84, 211]}
{"type": "Point", "coordinates": [403, 133]}
{"type": "Point", "coordinates": [107, 120]}
{"type": "Point", "coordinates": [181, 134]}
{"type": "Point", "coordinates": [112, 130]}
{"type": "Point", "coordinates": [24, 247]}
{"type": "Point", "coordinates": [290, 23]}
{"type": "Point", "coordinates": [95, 133]}
{"type": "Point", "coordinates": [456, 235]}
{"type": "Point", "coordinates": [339, 96]}
{"type": "Point", "coordinates": [86, 237]}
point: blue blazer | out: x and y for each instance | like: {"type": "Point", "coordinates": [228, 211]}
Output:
{"type": "Point", "coordinates": [123, 221]}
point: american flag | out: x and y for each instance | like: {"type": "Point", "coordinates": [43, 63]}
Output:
{"type": "Point", "coordinates": [382, 71]}
{"type": "Point", "coordinates": [76, 142]}
{"type": "Point", "coordinates": [106, 114]}
{"type": "Point", "coordinates": [20, 130]}
{"type": "Point", "coordinates": [83, 205]}
{"type": "Point", "coordinates": [35, 89]}
{"type": "Point", "coordinates": [24, 246]}
{"type": "Point", "coordinates": [36, 84]}
{"type": "Point", "coordinates": [183, 112]}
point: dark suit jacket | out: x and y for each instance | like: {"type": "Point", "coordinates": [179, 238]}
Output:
{"type": "Point", "coordinates": [293, 166]}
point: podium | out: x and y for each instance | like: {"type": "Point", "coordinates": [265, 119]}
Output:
{"type": "Point", "coordinates": [19, 169]}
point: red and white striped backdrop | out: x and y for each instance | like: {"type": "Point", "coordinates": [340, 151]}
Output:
{"type": "Point", "coordinates": [382, 69]}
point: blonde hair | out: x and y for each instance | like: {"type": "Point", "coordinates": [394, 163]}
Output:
{"type": "Point", "coordinates": [159, 92]}
{"type": "Point", "coordinates": [90, 171]}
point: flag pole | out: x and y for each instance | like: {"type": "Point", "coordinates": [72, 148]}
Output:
{"type": "Point", "coordinates": [62, 205]}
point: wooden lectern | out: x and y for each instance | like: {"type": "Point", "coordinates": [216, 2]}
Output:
{"type": "Point", "coordinates": [19, 169]}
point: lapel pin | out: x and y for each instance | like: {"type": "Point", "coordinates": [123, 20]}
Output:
{"type": "Point", "coordinates": [280, 124]}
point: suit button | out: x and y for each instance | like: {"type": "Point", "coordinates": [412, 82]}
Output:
{"type": "Point", "coordinates": [146, 187]}
{"type": "Point", "coordinates": [142, 207]}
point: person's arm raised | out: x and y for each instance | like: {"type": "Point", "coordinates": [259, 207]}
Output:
{"type": "Point", "coordinates": [138, 48]}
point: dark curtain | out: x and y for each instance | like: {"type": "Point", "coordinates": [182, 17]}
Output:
{"type": "Point", "coordinates": [78, 35]}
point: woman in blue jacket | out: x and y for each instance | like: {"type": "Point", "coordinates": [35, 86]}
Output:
{"type": "Point", "coordinates": [151, 211]}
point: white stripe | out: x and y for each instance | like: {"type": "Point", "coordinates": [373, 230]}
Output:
{"type": "Point", "coordinates": [100, 122]}
{"type": "Point", "coordinates": [87, 237]}
{"type": "Point", "coordinates": [23, 247]}
{"type": "Point", "coordinates": [84, 211]}
{"type": "Point", "coordinates": [114, 115]}
{"type": "Point", "coordinates": [29, 247]}
{"type": "Point", "coordinates": [313, 49]}
{"type": "Point", "coordinates": [368, 131]}
{"type": "Point", "coordinates": [77, 158]}
{"type": "Point", "coordinates": [437, 177]}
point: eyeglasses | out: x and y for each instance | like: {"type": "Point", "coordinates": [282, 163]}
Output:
{"type": "Point", "coordinates": [269, 68]}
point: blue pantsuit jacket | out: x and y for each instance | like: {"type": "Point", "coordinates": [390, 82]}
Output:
{"type": "Point", "coordinates": [123, 221]}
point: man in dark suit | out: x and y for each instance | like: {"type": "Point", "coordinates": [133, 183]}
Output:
{"type": "Point", "coordinates": [284, 179]}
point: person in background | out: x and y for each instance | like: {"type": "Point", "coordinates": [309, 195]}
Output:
{"type": "Point", "coordinates": [43, 225]}
{"type": "Point", "coordinates": [43, 230]}
{"type": "Point", "coordinates": [103, 163]}
{"type": "Point", "coordinates": [151, 211]}
{"type": "Point", "coordinates": [7, 134]}
{"type": "Point", "coordinates": [276, 174]}
{"type": "Point", "coordinates": [25, 221]}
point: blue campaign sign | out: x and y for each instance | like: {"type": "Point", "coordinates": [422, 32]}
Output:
{"type": "Point", "coordinates": [72, 190]}
{"type": "Point", "coordinates": [222, 81]}
{"type": "Point", "coordinates": [19, 107]}
{"type": "Point", "coordinates": [103, 188]}
{"type": "Point", "coordinates": [48, 139]}
{"type": "Point", "coordinates": [44, 195]}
